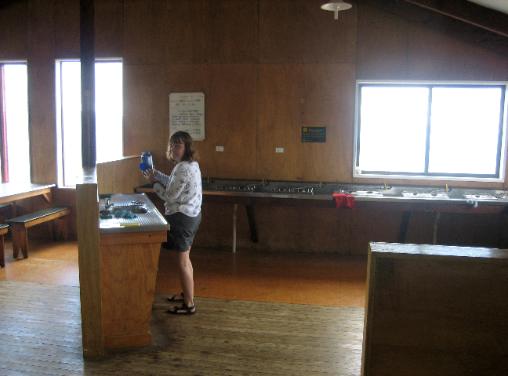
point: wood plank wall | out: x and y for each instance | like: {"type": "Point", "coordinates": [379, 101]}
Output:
{"type": "Point", "coordinates": [266, 67]}
{"type": "Point", "coordinates": [120, 176]}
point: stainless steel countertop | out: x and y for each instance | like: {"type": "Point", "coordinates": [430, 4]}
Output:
{"type": "Point", "coordinates": [129, 205]}
{"type": "Point", "coordinates": [361, 192]}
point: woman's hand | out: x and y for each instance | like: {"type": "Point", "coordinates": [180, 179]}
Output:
{"type": "Point", "coordinates": [149, 175]}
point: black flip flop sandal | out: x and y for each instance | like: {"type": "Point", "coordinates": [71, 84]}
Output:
{"type": "Point", "coordinates": [176, 298]}
{"type": "Point", "coordinates": [183, 309]}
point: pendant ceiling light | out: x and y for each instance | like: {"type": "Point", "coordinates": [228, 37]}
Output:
{"type": "Point", "coordinates": [336, 7]}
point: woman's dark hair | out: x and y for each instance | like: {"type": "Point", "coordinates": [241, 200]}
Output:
{"type": "Point", "coordinates": [182, 137]}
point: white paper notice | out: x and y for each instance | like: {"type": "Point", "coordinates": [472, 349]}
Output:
{"type": "Point", "coordinates": [187, 113]}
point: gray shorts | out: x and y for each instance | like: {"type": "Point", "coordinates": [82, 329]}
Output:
{"type": "Point", "coordinates": [182, 230]}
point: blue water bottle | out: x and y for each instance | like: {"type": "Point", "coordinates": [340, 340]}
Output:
{"type": "Point", "coordinates": [146, 161]}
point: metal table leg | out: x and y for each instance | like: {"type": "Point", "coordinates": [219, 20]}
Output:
{"type": "Point", "coordinates": [235, 209]}
{"type": "Point", "coordinates": [404, 222]}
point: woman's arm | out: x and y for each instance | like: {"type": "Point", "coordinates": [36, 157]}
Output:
{"type": "Point", "coordinates": [176, 182]}
{"type": "Point", "coordinates": [161, 177]}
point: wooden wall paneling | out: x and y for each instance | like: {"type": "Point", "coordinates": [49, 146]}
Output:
{"type": "Point", "coordinates": [300, 229]}
{"type": "Point", "coordinates": [145, 28]}
{"type": "Point", "coordinates": [298, 31]}
{"type": "Point", "coordinates": [188, 37]}
{"type": "Point", "coordinates": [214, 233]}
{"type": "Point", "coordinates": [66, 26]}
{"type": "Point", "coordinates": [382, 44]}
{"type": "Point", "coordinates": [109, 28]}
{"type": "Point", "coordinates": [372, 224]}
{"type": "Point", "coordinates": [231, 120]}
{"type": "Point", "coordinates": [146, 108]}
{"type": "Point", "coordinates": [329, 94]}
{"type": "Point", "coordinates": [281, 228]}
{"type": "Point", "coordinates": [436, 55]}
{"type": "Point", "coordinates": [279, 119]}
{"type": "Point", "coordinates": [324, 39]}
{"type": "Point", "coordinates": [41, 84]}
{"type": "Point", "coordinates": [41, 30]}
{"type": "Point", "coordinates": [276, 29]}
{"type": "Point", "coordinates": [13, 33]}
{"type": "Point", "coordinates": [89, 259]}
{"type": "Point", "coordinates": [67, 197]}
{"type": "Point", "coordinates": [120, 176]}
{"type": "Point", "coordinates": [471, 230]}
{"type": "Point", "coordinates": [234, 31]}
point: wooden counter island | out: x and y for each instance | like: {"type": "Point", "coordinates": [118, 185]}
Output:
{"type": "Point", "coordinates": [121, 255]}
{"type": "Point", "coordinates": [130, 249]}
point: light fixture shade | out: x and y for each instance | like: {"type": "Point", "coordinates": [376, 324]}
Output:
{"type": "Point", "coordinates": [336, 7]}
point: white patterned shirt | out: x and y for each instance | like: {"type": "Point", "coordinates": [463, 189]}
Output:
{"type": "Point", "coordinates": [183, 189]}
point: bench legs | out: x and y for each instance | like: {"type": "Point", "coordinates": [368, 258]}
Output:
{"type": "Point", "coordinates": [2, 254]}
{"type": "Point", "coordinates": [59, 229]}
{"type": "Point", "coordinates": [20, 235]}
{"type": "Point", "coordinates": [19, 240]}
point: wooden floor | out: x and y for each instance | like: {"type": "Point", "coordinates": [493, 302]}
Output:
{"type": "Point", "coordinates": [244, 324]}
{"type": "Point", "coordinates": [322, 279]}
{"type": "Point", "coordinates": [40, 335]}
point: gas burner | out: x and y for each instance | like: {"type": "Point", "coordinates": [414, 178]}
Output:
{"type": "Point", "coordinates": [237, 188]}
{"type": "Point", "coordinates": [305, 190]}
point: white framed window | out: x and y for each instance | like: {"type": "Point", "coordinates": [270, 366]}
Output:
{"type": "Point", "coordinates": [14, 132]}
{"type": "Point", "coordinates": [430, 130]}
{"type": "Point", "coordinates": [108, 111]}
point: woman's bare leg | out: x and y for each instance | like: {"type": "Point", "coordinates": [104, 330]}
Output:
{"type": "Point", "coordinates": [186, 276]}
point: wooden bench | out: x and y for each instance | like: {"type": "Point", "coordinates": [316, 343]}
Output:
{"type": "Point", "coordinates": [3, 231]}
{"type": "Point", "coordinates": [21, 224]}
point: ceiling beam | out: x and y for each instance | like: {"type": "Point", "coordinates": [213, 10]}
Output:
{"type": "Point", "coordinates": [441, 23]}
{"type": "Point", "coordinates": [465, 11]}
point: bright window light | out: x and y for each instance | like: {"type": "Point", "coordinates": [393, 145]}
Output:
{"type": "Point", "coordinates": [430, 130]}
{"type": "Point", "coordinates": [470, 117]}
{"type": "Point", "coordinates": [108, 110]}
{"type": "Point", "coordinates": [393, 128]}
{"type": "Point", "coordinates": [15, 95]}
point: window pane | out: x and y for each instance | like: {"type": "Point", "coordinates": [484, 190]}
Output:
{"type": "Point", "coordinates": [71, 120]}
{"type": "Point", "coordinates": [465, 130]}
{"type": "Point", "coordinates": [393, 128]}
{"type": "Point", "coordinates": [108, 108]}
{"type": "Point", "coordinates": [16, 115]}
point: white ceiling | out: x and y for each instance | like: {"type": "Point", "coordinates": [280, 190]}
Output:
{"type": "Point", "coordinates": [500, 5]}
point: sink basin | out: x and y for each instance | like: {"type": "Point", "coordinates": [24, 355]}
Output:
{"type": "Point", "coordinates": [367, 193]}
{"type": "Point", "coordinates": [430, 195]}
{"type": "Point", "coordinates": [480, 197]}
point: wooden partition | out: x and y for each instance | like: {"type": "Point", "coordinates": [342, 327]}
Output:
{"type": "Point", "coordinates": [120, 176]}
{"type": "Point", "coordinates": [90, 264]}
{"type": "Point", "coordinates": [436, 310]}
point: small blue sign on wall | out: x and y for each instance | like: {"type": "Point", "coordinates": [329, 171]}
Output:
{"type": "Point", "coordinates": [313, 134]}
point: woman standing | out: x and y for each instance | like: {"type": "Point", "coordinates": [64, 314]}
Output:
{"type": "Point", "coordinates": [182, 201]}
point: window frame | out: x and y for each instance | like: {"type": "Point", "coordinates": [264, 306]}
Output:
{"type": "Point", "coordinates": [499, 176]}
{"type": "Point", "coordinates": [59, 112]}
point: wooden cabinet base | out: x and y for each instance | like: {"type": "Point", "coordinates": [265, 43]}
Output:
{"type": "Point", "coordinates": [436, 310]}
{"type": "Point", "coordinates": [129, 272]}
{"type": "Point", "coordinates": [120, 342]}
